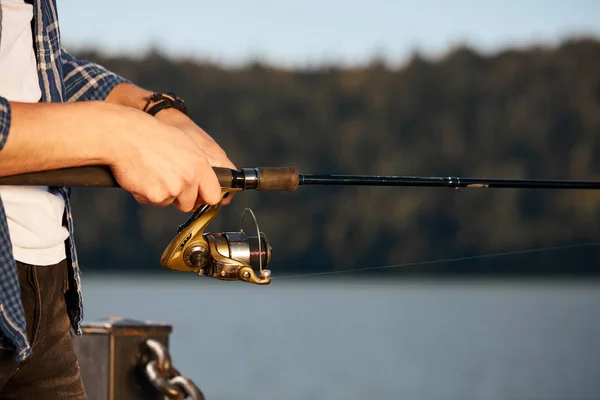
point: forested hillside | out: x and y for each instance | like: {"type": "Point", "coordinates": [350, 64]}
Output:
{"type": "Point", "coordinates": [532, 113]}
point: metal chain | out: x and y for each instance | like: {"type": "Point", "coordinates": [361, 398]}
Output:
{"type": "Point", "coordinates": [166, 378]}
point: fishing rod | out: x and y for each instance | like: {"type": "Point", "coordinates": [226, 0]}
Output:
{"type": "Point", "coordinates": [235, 256]}
{"type": "Point", "coordinates": [288, 179]}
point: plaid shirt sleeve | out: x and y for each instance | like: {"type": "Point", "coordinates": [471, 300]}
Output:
{"type": "Point", "coordinates": [85, 80]}
{"type": "Point", "coordinates": [4, 121]}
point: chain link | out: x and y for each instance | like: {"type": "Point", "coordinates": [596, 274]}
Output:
{"type": "Point", "coordinates": [166, 378]}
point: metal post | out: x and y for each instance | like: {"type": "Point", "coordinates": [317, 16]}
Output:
{"type": "Point", "coordinates": [112, 358]}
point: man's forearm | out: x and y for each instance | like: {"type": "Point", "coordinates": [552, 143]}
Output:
{"type": "Point", "coordinates": [129, 95]}
{"type": "Point", "coordinates": [46, 136]}
{"type": "Point", "coordinates": [154, 161]}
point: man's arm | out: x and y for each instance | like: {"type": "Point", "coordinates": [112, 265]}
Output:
{"type": "Point", "coordinates": [42, 136]}
{"type": "Point", "coordinates": [85, 80]}
{"type": "Point", "coordinates": [37, 137]}
{"type": "Point", "coordinates": [157, 163]}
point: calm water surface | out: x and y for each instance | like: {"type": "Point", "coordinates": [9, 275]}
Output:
{"type": "Point", "coordinates": [324, 339]}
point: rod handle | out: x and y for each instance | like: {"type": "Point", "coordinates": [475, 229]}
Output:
{"type": "Point", "coordinates": [89, 176]}
{"type": "Point", "coordinates": [92, 176]}
{"type": "Point", "coordinates": [269, 178]}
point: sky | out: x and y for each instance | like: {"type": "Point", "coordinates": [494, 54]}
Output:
{"type": "Point", "coordinates": [309, 32]}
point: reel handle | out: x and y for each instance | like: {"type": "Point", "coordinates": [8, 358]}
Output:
{"type": "Point", "coordinates": [264, 179]}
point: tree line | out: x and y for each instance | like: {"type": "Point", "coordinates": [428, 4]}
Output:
{"type": "Point", "coordinates": [527, 113]}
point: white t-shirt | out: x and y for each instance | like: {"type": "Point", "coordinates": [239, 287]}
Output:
{"type": "Point", "coordinates": [34, 214]}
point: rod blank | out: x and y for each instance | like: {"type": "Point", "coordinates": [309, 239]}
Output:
{"type": "Point", "coordinates": [451, 182]}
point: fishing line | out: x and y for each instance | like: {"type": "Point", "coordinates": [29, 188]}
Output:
{"type": "Point", "coordinates": [446, 260]}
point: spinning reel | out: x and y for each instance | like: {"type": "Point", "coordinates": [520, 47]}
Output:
{"type": "Point", "coordinates": [229, 256]}
{"type": "Point", "coordinates": [226, 256]}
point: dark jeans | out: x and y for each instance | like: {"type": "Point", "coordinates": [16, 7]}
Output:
{"type": "Point", "coordinates": [52, 371]}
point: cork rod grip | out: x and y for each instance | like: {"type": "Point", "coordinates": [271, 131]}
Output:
{"type": "Point", "coordinates": [284, 179]}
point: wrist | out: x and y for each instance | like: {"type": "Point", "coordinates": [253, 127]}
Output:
{"type": "Point", "coordinates": [172, 116]}
{"type": "Point", "coordinates": [120, 137]}
{"type": "Point", "coordinates": [158, 102]}
{"type": "Point", "coordinates": [128, 95]}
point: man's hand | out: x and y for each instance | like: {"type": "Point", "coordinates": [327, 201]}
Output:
{"type": "Point", "coordinates": [216, 155]}
{"type": "Point", "coordinates": [182, 122]}
{"type": "Point", "coordinates": [162, 165]}
{"type": "Point", "coordinates": [130, 95]}
{"type": "Point", "coordinates": [159, 164]}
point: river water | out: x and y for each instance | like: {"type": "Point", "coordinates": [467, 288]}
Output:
{"type": "Point", "coordinates": [369, 339]}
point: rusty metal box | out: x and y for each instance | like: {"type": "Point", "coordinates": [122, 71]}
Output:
{"type": "Point", "coordinates": [111, 358]}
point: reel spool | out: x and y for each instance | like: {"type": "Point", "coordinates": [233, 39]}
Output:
{"type": "Point", "coordinates": [226, 256]}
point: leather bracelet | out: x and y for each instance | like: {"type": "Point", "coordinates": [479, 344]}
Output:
{"type": "Point", "coordinates": [164, 101]}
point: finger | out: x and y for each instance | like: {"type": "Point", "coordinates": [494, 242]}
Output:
{"type": "Point", "coordinates": [226, 162]}
{"type": "Point", "coordinates": [218, 158]}
{"type": "Point", "coordinates": [187, 199]}
{"type": "Point", "coordinates": [228, 198]}
{"type": "Point", "coordinates": [209, 189]}
{"type": "Point", "coordinates": [140, 199]}
{"type": "Point", "coordinates": [229, 164]}
{"type": "Point", "coordinates": [221, 158]}
{"type": "Point", "coordinates": [199, 203]}
{"type": "Point", "coordinates": [225, 200]}
{"type": "Point", "coordinates": [214, 162]}
{"type": "Point", "coordinates": [166, 202]}
{"type": "Point", "coordinates": [144, 200]}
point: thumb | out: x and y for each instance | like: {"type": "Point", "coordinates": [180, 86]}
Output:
{"type": "Point", "coordinates": [214, 162]}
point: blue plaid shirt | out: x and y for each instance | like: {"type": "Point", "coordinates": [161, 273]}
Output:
{"type": "Point", "coordinates": [62, 78]}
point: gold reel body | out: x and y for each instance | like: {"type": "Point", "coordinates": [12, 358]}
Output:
{"type": "Point", "coordinates": [222, 255]}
